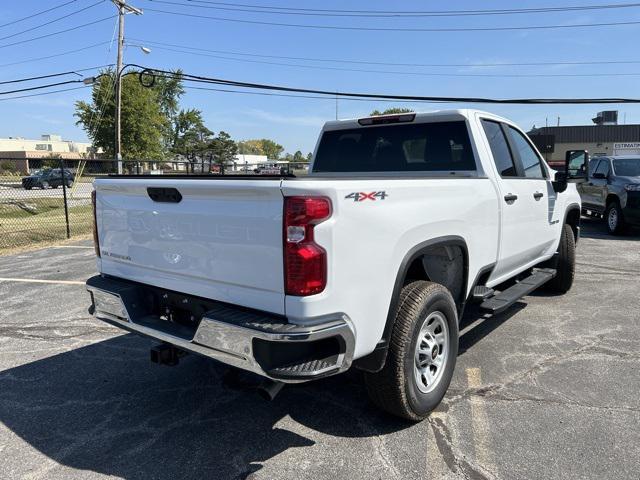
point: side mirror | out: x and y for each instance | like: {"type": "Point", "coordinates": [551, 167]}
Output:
{"type": "Point", "coordinates": [576, 165]}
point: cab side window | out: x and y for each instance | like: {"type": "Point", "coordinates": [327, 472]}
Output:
{"type": "Point", "coordinates": [529, 159]}
{"type": "Point", "coordinates": [499, 149]}
{"type": "Point", "coordinates": [603, 167]}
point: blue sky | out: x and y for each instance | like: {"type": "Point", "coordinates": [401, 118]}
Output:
{"type": "Point", "coordinates": [295, 122]}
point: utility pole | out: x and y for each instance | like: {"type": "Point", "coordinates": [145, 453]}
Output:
{"type": "Point", "coordinates": [123, 9]}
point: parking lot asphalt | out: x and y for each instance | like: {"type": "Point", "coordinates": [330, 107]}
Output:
{"type": "Point", "coordinates": [549, 389]}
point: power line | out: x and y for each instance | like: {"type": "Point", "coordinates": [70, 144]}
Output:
{"type": "Point", "coordinates": [69, 52]}
{"type": "Point", "coordinates": [33, 15]}
{"type": "Point", "coordinates": [44, 93]}
{"type": "Point", "coordinates": [57, 33]}
{"type": "Point", "coordinates": [377, 96]}
{"type": "Point", "coordinates": [393, 64]}
{"type": "Point", "coordinates": [404, 72]}
{"type": "Point", "coordinates": [389, 29]}
{"type": "Point", "coordinates": [317, 97]}
{"type": "Point", "coordinates": [273, 10]}
{"type": "Point", "coordinates": [40, 87]}
{"type": "Point", "coordinates": [51, 75]}
{"type": "Point", "coordinates": [51, 21]}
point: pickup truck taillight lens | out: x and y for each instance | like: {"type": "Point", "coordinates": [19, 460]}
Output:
{"type": "Point", "coordinates": [305, 262]}
{"type": "Point", "coordinates": [96, 243]}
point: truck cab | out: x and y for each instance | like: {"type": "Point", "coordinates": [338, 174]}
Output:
{"type": "Point", "coordinates": [613, 191]}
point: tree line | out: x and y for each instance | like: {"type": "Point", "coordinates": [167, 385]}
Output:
{"type": "Point", "coordinates": [155, 126]}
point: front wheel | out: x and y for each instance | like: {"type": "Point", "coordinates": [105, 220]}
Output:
{"type": "Point", "coordinates": [422, 353]}
{"type": "Point", "coordinates": [564, 263]}
{"type": "Point", "coordinates": [614, 218]}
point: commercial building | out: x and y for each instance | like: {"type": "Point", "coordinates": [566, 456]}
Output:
{"type": "Point", "coordinates": [46, 145]}
{"type": "Point", "coordinates": [605, 137]}
{"type": "Point", "coordinates": [21, 150]}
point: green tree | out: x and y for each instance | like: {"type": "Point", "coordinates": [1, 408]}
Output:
{"type": "Point", "coordinates": [189, 133]}
{"type": "Point", "coordinates": [262, 146]}
{"type": "Point", "coordinates": [147, 115]}
{"type": "Point", "coordinates": [391, 111]}
{"type": "Point", "coordinates": [250, 147]}
{"type": "Point", "coordinates": [222, 148]}
{"type": "Point", "coordinates": [298, 157]}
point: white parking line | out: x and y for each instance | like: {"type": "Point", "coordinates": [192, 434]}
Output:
{"type": "Point", "coordinates": [36, 280]}
{"type": "Point", "coordinates": [479, 422]}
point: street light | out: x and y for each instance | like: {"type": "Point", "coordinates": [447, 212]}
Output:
{"type": "Point", "coordinates": [145, 50]}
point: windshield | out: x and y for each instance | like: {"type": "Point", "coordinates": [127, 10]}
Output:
{"type": "Point", "coordinates": [627, 167]}
{"type": "Point", "coordinates": [428, 147]}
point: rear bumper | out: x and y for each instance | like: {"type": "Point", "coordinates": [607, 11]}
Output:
{"type": "Point", "coordinates": [256, 341]}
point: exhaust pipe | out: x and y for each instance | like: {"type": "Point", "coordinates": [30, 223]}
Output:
{"type": "Point", "coordinates": [269, 389]}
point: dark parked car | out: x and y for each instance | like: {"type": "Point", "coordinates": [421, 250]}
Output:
{"type": "Point", "coordinates": [613, 191]}
{"type": "Point", "coordinates": [48, 178]}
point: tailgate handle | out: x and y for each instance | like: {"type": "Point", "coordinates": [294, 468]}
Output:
{"type": "Point", "coordinates": [165, 195]}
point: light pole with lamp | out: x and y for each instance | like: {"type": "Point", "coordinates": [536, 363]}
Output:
{"type": "Point", "coordinates": [123, 9]}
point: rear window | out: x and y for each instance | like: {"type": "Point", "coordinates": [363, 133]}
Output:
{"type": "Point", "coordinates": [422, 147]}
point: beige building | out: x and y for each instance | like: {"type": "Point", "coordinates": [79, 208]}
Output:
{"type": "Point", "coordinates": [20, 149]}
{"type": "Point", "coordinates": [45, 145]}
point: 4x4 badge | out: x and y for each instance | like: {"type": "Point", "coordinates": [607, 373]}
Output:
{"type": "Point", "coordinates": [362, 196]}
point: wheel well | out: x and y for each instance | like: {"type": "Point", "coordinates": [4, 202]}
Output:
{"type": "Point", "coordinates": [443, 264]}
{"type": "Point", "coordinates": [610, 199]}
{"type": "Point", "coordinates": [443, 260]}
{"type": "Point", "coordinates": [573, 220]}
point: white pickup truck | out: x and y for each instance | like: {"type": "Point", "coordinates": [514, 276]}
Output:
{"type": "Point", "coordinates": [368, 261]}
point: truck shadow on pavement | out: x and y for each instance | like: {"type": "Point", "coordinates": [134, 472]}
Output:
{"type": "Point", "coordinates": [106, 408]}
{"type": "Point", "coordinates": [596, 228]}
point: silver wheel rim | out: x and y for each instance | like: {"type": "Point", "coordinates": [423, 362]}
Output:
{"type": "Point", "coordinates": [432, 349]}
{"type": "Point", "coordinates": [613, 218]}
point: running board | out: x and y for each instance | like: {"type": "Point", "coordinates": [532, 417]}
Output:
{"type": "Point", "coordinates": [511, 295]}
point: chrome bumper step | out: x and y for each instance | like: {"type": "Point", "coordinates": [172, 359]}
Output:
{"type": "Point", "coordinates": [260, 342]}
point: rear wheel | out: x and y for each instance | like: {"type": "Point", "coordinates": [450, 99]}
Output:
{"type": "Point", "coordinates": [422, 353]}
{"type": "Point", "coordinates": [564, 263]}
{"type": "Point", "coordinates": [614, 218]}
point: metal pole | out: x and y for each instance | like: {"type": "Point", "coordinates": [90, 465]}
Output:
{"type": "Point", "coordinates": [122, 9]}
{"type": "Point", "coordinates": [118, 145]}
{"type": "Point", "coordinates": [64, 195]}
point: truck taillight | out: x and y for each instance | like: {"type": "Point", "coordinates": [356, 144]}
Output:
{"type": "Point", "coordinates": [96, 243]}
{"type": "Point", "coordinates": [305, 262]}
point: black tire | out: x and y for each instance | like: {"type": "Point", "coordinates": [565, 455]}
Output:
{"type": "Point", "coordinates": [565, 262]}
{"type": "Point", "coordinates": [69, 184]}
{"type": "Point", "coordinates": [614, 218]}
{"type": "Point", "coordinates": [28, 187]}
{"type": "Point", "coordinates": [395, 388]}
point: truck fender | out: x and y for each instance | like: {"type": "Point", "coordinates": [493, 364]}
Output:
{"type": "Point", "coordinates": [374, 361]}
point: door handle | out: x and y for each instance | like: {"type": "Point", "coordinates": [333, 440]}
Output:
{"type": "Point", "coordinates": [510, 198]}
{"type": "Point", "coordinates": [538, 195]}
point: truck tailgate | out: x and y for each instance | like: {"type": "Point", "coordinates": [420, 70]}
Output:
{"type": "Point", "coordinates": [222, 240]}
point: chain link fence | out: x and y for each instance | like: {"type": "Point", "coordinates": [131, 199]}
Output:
{"type": "Point", "coordinates": [49, 199]}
